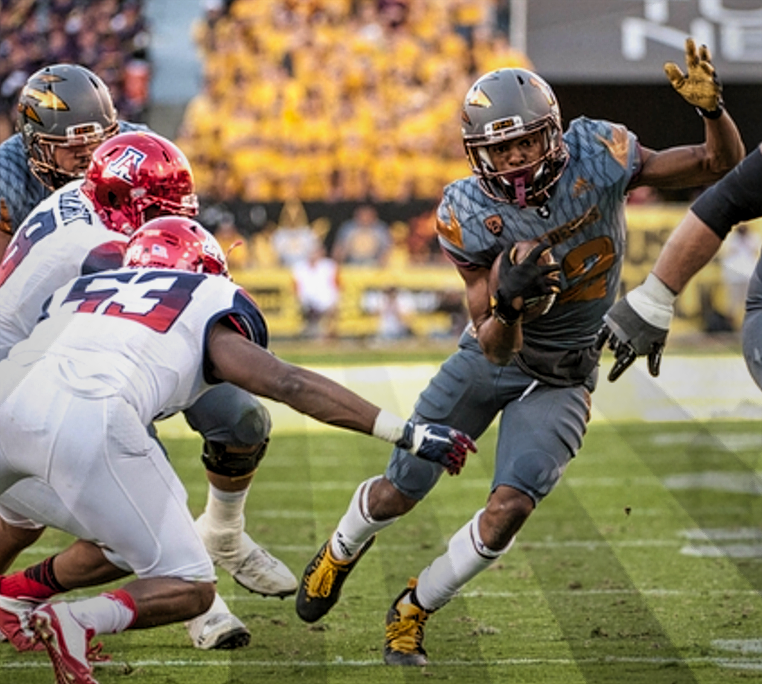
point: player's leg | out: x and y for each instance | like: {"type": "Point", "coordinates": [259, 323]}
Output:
{"type": "Point", "coordinates": [13, 540]}
{"type": "Point", "coordinates": [538, 435]}
{"type": "Point", "coordinates": [135, 505]}
{"type": "Point", "coordinates": [236, 429]}
{"type": "Point", "coordinates": [751, 331]}
{"type": "Point", "coordinates": [83, 565]}
{"type": "Point", "coordinates": [66, 628]}
{"type": "Point", "coordinates": [456, 396]}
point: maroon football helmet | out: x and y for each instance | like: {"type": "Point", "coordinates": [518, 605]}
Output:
{"type": "Point", "coordinates": [136, 176]}
{"type": "Point", "coordinates": [175, 242]}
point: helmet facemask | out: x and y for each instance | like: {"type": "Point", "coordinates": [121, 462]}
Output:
{"type": "Point", "coordinates": [502, 106]}
{"type": "Point", "coordinates": [525, 184]}
{"type": "Point", "coordinates": [42, 152]}
{"type": "Point", "coordinates": [144, 206]}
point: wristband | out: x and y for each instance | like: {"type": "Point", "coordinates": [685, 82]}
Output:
{"type": "Point", "coordinates": [714, 114]}
{"type": "Point", "coordinates": [388, 427]}
{"type": "Point", "coordinates": [653, 301]}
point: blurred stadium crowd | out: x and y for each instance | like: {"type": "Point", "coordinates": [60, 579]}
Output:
{"type": "Point", "coordinates": [303, 103]}
{"type": "Point", "coordinates": [110, 37]}
{"type": "Point", "coordinates": [337, 99]}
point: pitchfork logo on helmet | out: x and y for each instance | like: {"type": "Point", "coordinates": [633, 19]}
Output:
{"type": "Point", "coordinates": [175, 242]}
{"type": "Point", "coordinates": [62, 105]}
{"type": "Point", "coordinates": [127, 165]}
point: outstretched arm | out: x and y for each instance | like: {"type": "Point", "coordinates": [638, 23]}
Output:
{"type": "Point", "coordinates": [638, 324]}
{"type": "Point", "coordinates": [239, 361]}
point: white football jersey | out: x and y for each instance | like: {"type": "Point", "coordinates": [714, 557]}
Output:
{"type": "Point", "coordinates": [135, 333]}
{"type": "Point", "coordinates": [62, 238]}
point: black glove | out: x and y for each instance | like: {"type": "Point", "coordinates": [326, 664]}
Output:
{"type": "Point", "coordinates": [526, 279]}
{"type": "Point", "coordinates": [629, 336]}
{"type": "Point", "coordinates": [438, 443]}
{"type": "Point", "coordinates": [700, 87]}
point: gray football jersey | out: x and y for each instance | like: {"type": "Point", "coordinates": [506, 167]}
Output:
{"type": "Point", "coordinates": [583, 220]}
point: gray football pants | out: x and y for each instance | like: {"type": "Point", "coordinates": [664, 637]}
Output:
{"type": "Point", "coordinates": [540, 429]}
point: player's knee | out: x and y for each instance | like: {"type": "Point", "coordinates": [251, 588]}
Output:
{"type": "Point", "coordinates": [506, 511]}
{"type": "Point", "coordinates": [232, 461]}
{"type": "Point", "coordinates": [252, 426]}
{"type": "Point", "coordinates": [537, 474]}
{"type": "Point", "coordinates": [385, 501]}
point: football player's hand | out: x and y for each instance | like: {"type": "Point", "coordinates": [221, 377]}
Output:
{"type": "Point", "coordinates": [637, 325]}
{"type": "Point", "coordinates": [438, 443]}
{"type": "Point", "coordinates": [526, 279]}
{"type": "Point", "coordinates": [700, 87]}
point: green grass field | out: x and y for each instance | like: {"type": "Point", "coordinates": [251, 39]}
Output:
{"type": "Point", "coordinates": [645, 565]}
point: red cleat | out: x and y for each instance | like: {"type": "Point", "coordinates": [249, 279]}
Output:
{"type": "Point", "coordinates": [15, 623]}
{"type": "Point", "coordinates": [67, 643]}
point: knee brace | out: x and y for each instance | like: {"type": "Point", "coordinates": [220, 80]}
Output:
{"type": "Point", "coordinates": [218, 459]}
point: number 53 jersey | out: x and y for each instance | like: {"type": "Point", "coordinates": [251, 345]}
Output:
{"type": "Point", "coordinates": [135, 333]}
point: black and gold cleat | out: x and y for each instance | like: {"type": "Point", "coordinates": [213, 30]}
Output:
{"type": "Point", "coordinates": [321, 583]}
{"type": "Point", "coordinates": [404, 629]}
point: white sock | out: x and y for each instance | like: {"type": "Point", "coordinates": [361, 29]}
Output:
{"type": "Point", "coordinates": [218, 606]}
{"type": "Point", "coordinates": [225, 510]}
{"type": "Point", "coordinates": [356, 526]}
{"type": "Point", "coordinates": [105, 614]}
{"type": "Point", "coordinates": [465, 558]}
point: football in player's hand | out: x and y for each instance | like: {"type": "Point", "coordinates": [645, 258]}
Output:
{"type": "Point", "coordinates": [536, 306]}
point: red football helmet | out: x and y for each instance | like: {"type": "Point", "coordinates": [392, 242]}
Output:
{"type": "Point", "coordinates": [175, 242]}
{"type": "Point", "coordinates": [136, 176]}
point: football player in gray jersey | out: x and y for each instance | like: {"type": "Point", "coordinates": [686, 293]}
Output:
{"type": "Point", "coordinates": [64, 112]}
{"type": "Point", "coordinates": [532, 184]}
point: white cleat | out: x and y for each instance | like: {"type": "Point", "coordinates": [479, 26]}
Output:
{"type": "Point", "coordinates": [218, 629]}
{"type": "Point", "coordinates": [247, 562]}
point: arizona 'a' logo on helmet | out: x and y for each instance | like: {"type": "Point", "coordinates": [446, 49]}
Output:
{"type": "Point", "coordinates": [137, 176]}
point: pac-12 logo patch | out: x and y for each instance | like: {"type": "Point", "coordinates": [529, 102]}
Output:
{"type": "Point", "coordinates": [494, 224]}
{"type": "Point", "coordinates": [126, 165]}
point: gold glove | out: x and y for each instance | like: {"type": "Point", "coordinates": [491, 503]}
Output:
{"type": "Point", "coordinates": [700, 87]}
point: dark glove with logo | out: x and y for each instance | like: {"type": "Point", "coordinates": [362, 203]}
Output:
{"type": "Point", "coordinates": [637, 325]}
{"type": "Point", "coordinates": [527, 279]}
{"type": "Point", "coordinates": [438, 443]}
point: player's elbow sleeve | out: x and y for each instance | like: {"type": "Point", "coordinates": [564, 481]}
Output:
{"type": "Point", "coordinates": [733, 199]}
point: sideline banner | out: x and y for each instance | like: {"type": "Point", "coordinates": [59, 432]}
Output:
{"type": "Point", "coordinates": [434, 295]}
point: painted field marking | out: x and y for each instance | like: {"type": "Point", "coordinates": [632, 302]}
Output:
{"type": "Point", "coordinates": [339, 662]}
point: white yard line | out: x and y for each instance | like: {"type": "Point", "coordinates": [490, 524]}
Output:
{"type": "Point", "coordinates": [338, 662]}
